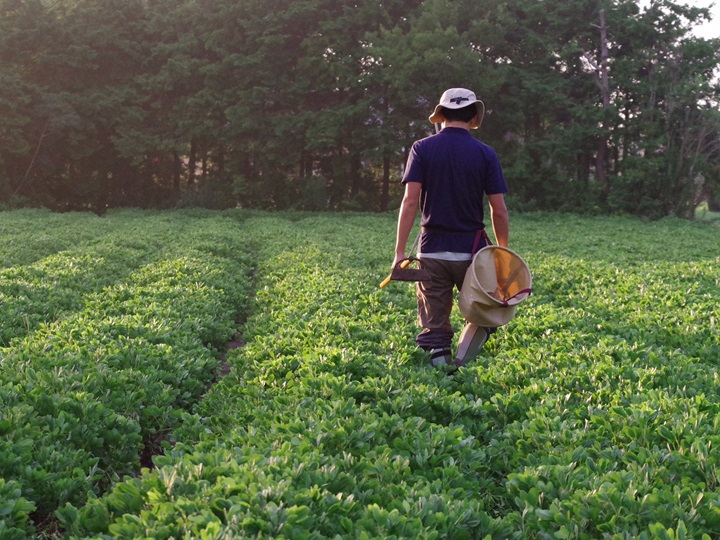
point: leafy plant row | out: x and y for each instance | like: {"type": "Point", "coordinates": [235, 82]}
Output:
{"type": "Point", "coordinates": [30, 235]}
{"type": "Point", "coordinates": [58, 284]}
{"type": "Point", "coordinates": [295, 441]}
{"type": "Point", "coordinates": [82, 396]}
{"type": "Point", "coordinates": [592, 415]}
{"type": "Point", "coordinates": [61, 259]}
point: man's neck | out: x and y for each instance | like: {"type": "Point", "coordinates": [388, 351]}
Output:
{"type": "Point", "coordinates": [456, 124]}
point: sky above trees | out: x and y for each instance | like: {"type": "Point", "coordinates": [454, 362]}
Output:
{"type": "Point", "coordinates": [709, 29]}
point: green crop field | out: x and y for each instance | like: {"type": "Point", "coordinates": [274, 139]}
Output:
{"type": "Point", "coordinates": [123, 413]}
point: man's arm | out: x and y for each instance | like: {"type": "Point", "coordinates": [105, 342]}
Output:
{"type": "Point", "coordinates": [500, 219]}
{"type": "Point", "coordinates": [406, 218]}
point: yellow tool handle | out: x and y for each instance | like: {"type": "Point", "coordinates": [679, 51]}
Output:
{"type": "Point", "coordinates": [386, 281]}
{"type": "Point", "coordinates": [403, 264]}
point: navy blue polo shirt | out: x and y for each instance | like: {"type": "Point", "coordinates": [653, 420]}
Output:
{"type": "Point", "coordinates": [456, 171]}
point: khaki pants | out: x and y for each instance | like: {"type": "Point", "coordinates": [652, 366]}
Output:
{"type": "Point", "coordinates": [435, 301]}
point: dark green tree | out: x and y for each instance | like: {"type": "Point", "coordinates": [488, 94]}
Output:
{"type": "Point", "coordinates": [666, 97]}
{"type": "Point", "coordinates": [76, 60]}
{"type": "Point", "coordinates": [313, 104]}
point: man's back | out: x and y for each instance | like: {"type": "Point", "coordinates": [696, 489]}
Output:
{"type": "Point", "coordinates": [456, 171]}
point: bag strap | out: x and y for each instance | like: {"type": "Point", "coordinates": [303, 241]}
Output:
{"type": "Point", "coordinates": [414, 247]}
{"type": "Point", "coordinates": [481, 234]}
{"type": "Point", "coordinates": [506, 302]}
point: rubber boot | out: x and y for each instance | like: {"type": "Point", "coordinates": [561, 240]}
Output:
{"type": "Point", "coordinates": [470, 343]}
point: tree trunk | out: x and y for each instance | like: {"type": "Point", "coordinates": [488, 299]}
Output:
{"type": "Point", "coordinates": [192, 159]}
{"type": "Point", "coordinates": [604, 86]}
{"type": "Point", "coordinates": [177, 172]}
{"type": "Point", "coordinates": [221, 161]}
{"type": "Point", "coordinates": [385, 192]}
{"type": "Point", "coordinates": [305, 165]}
{"type": "Point", "coordinates": [355, 164]}
{"type": "Point", "coordinates": [713, 202]}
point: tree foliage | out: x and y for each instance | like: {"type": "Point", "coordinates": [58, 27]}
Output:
{"type": "Point", "coordinates": [312, 104]}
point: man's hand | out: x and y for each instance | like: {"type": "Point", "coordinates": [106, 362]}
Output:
{"type": "Point", "coordinates": [397, 260]}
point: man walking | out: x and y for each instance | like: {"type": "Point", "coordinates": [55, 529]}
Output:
{"type": "Point", "coordinates": [446, 177]}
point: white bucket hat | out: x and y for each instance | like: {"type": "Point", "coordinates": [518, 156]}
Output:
{"type": "Point", "coordinates": [457, 98]}
{"type": "Point", "coordinates": [496, 281]}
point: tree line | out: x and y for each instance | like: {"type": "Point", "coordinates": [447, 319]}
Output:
{"type": "Point", "coordinates": [592, 105]}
